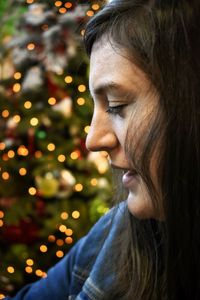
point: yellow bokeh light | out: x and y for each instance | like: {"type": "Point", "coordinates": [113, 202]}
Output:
{"type": "Point", "coordinates": [28, 270]}
{"type": "Point", "coordinates": [61, 158]}
{"type": "Point", "coordinates": [52, 101]}
{"type": "Point", "coordinates": [58, 3]}
{"type": "Point", "coordinates": [16, 87]}
{"type": "Point", "coordinates": [22, 171]}
{"type": "Point", "coordinates": [68, 4]}
{"type": "Point", "coordinates": [27, 104]}
{"type": "Point", "coordinates": [75, 214]}
{"type": "Point", "coordinates": [5, 113]}
{"type": "Point", "coordinates": [68, 79]}
{"type": "Point", "coordinates": [51, 238]}
{"type": "Point", "coordinates": [1, 214]}
{"type": "Point", "coordinates": [90, 13]}
{"type": "Point", "coordinates": [51, 147]}
{"type": "Point", "coordinates": [5, 175]}
{"type": "Point", "coordinates": [2, 296]}
{"type": "Point", "coordinates": [64, 215]}
{"type": "Point", "coordinates": [81, 101]}
{"type": "Point", "coordinates": [62, 10]}
{"type": "Point", "coordinates": [82, 32]}
{"type": "Point", "coordinates": [59, 242]}
{"type": "Point", "coordinates": [34, 121]}
{"type": "Point", "coordinates": [29, 1]}
{"type": "Point", "coordinates": [86, 129]}
{"type": "Point", "coordinates": [59, 253]}
{"type": "Point", "coordinates": [16, 118]}
{"type": "Point", "coordinates": [81, 88]}
{"type": "Point", "coordinates": [75, 154]}
{"type": "Point", "coordinates": [68, 240]}
{"type": "Point", "coordinates": [17, 75]}
{"type": "Point", "coordinates": [32, 191]}
{"type": "Point", "coordinates": [39, 272]}
{"type": "Point", "coordinates": [1, 223]}
{"type": "Point", "coordinates": [78, 187]}
{"type": "Point", "coordinates": [62, 228]}
{"type": "Point", "coordinates": [95, 6]}
{"type": "Point", "coordinates": [2, 146]}
{"type": "Point", "coordinates": [22, 150]}
{"type": "Point", "coordinates": [31, 46]}
{"type": "Point", "coordinates": [10, 269]}
{"type": "Point", "coordinates": [11, 153]}
{"type": "Point", "coordinates": [69, 231]}
{"type": "Point", "coordinates": [93, 181]}
{"type": "Point", "coordinates": [38, 154]}
{"type": "Point", "coordinates": [29, 262]}
{"type": "Point", "coordinates": [43, 248]}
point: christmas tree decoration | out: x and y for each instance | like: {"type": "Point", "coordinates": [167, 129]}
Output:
{"type": "Point", "coordinates": [52, 189]}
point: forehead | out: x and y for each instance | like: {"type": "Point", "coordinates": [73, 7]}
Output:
{"type": "Point", "coordinates": [110, 64]}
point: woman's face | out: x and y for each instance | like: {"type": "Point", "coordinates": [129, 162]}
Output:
{"type": "Point", "coordinates": [123, 101]}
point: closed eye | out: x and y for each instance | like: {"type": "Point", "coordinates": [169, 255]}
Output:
{"type": "Point", "coordinates": [116, 110]}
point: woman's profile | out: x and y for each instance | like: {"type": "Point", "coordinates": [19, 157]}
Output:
{"type": "Point", "coordinates": [145, 85]}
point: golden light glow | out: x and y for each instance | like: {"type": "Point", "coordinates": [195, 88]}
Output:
{"type": "Point", "coordinates": [64, 215]}
{"type": "Point", "coordinates": [59, 253]}
{"type": "Point", "coordinates": [1, 223]}
{"type": "Point", "coordinates": [68, 240]}
{"type": "Point", "coordinates": [81, 101]}
{"type": "Point", "coordinates": [29, 262]}
{"type": "Point", "coordinates": [59, 242]}
{"type": "Point", "coordinates": [75, 154]}
{"type": "Point", "coordinates": [58, 3]}
{"type": "Point", "coordinates": [38, 154]}
{"type": "Point", "coordinates": [68, 4]}
{"type": "Point", "coordinates": [32, 191]}
{"type": "Point", "coordinates": [81, 88]}
{"type": "Point", "coordinates": [93, 181]}
{"type": "Point", "coordinates": [22, 150]}
{"type": "Point", "coordinates": [5, 175]}
{"type": "Point", "coordinates": [16, 87]}
{"type": "Point", "coordinates": [5, 157]}
{"type": "Point", "coordinates": [10, 269]}
{"type": "Point", "coordinates": [28, 270]}
{"type": "Point", "coordinates": [29, 1]}
{"type": "Point", "coordinates": [2, 146]}
{"type": "Point", "coordinates": [16, 118]}
{"type": "Point", "coordinates": [68, 79]}
{"type": "Point", "coordinates": [51, 147]}
{"type": "Point", "coordinates": [22, 171]}
{"type": "Point", "coordinates": [51, 238]}
{"type": "Point", "coordinates": [27, 104]}
{"type": "Point", "coordinates": [62, 10]}
{"type": "Point", "coordinates": [95, 6]}
{"type": "Point", "coordinates": [86, 129]}
{"type": "Point", "coordinates": [17, 75]}
{"type": "Point", "coordinates": [11, 153]}
{"type": "Point", "coordinates": [82, 32]}
{"type": "Point", "coordinates": [68, 231]}
{"type": "Point", "coordinates": [52, 101]}
{"type": "Point", "coordinates": [2, 296]}
{"type": "Point", "coordinates": [1, 214]}
{"type": "Point", "coordinates": [43, 248]}
{"type": "Point", "coordinates": [31, 46]}
{"type": "Point", "coordinates": [34, 121]}
{"type": "Point", "coordinates": [78, 187]}
{"type": "Point", "coordinates": [75, 214]}
{"type": "Point", "coordinates": [90, 13]}
{"type": "Point", "coordinates": [39, 272]}
{"type": "Point", "coordinates": [62, 228]}
{"type": "Point", "coordinates": [61, 158]}
{"type": "Point", "coordinates": [5, 113]}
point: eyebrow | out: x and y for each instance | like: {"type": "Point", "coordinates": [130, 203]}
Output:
{"type": "Point", "coordinates": [108, 86]}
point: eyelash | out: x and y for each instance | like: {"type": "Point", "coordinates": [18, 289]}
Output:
{"type": "Point", "coordinates": [115, 110]}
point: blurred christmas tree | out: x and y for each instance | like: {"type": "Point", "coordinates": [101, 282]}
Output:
{"type": "Point", "coordinates": [51, 189]}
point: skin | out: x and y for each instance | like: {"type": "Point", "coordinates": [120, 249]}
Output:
{"type": "Point", "coordinates": [124, 101]}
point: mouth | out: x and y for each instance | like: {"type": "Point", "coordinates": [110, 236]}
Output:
{"type": "Point", "coordinates": [129, 177]}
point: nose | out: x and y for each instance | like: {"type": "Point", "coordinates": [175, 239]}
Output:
{"type": "Point", "coordinates": [101, 136]}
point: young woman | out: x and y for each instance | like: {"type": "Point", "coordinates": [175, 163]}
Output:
{"type": "Point", "coordinates": [145, 82]}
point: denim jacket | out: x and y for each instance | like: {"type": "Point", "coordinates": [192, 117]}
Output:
{"type": "Point", "coordinates": [80, 275]}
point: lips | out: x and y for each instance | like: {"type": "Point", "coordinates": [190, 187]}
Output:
{"type": "Point", "coordinates": [129, 179]}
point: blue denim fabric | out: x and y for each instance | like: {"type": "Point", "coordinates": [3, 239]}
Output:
{"type": "Point", "coordinates": [85, 272]}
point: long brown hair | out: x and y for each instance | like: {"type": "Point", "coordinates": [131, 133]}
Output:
{"type": "Point", "coordinates": [160, 260]}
